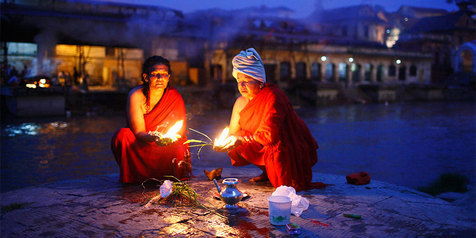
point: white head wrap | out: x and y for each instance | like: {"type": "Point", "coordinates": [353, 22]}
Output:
{"type": "Point", "coordinates": [249, 62]}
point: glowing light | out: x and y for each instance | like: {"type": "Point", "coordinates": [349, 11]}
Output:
{"type": "Point", "coordinates": [392, 37]}
{"type": "Point", "coordinates": [224, 140]}
{"type": "Point", "coordinates": [222, 137]}
{"type": "Point", "coordinates": [351, 59]}
{"type": "Point", "coordinates": [172, 133]}
{"type": "Point", "coordinates": [31, 85]}
{"type": "Point", "coordinates": [23, 129]}
{"type": "Point", "coordinates": [323, 58]}
{"type": "Point", "coordinates": [398, 61]}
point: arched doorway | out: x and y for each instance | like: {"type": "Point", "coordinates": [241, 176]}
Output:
{"type": "Point", "coordinates": [402, 73]}
{"type": "Point", "coordinates": [330, 72]}
{"type": "Point", "coordinates": [355, 68]}
{"type": "Point", "coordinates": [380, 73]}
{"type": "Point", "coordinates": [301, 71]}
{"type": "Point", "coordinates": [464, 59]}
{"type": "Point", "coordinates": [316, 71]}
{"type": "Point", "coordinates": [342, 71]}
{"type": "Point", "coordinates": [466, 63]}
{"type": "Point", "coordinates": [284, 71]}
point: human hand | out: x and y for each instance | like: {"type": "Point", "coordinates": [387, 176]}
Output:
{"type": "Point", "coordinates": [165, 141]}
{"type": "Point", "coordinates": [246, 139]}
{"type": "Point", "coordinates": [230, 144]}
{"type": "Point", "coordinates": [161, 139]}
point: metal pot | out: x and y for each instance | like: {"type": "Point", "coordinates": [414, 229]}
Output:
{"type": "Point", "coordinates": [231, 195]}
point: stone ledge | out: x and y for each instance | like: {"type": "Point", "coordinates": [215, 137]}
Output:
{"type": "Point", "coordinates": [101, 206]}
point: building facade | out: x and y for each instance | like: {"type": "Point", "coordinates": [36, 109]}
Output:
{"type": "Point", "coordinates": [337, 48]}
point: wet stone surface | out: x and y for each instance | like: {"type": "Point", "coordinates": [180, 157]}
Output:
{"type": "Point", "coordinates": [102, 207]}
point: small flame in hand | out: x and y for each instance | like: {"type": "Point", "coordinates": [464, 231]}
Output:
{"type": "Point", "coordinates": [224, 140]}
{"type": "Point", "coordinates": [221, 140]}
{"type": "Point", "coordinates": [172, 133]}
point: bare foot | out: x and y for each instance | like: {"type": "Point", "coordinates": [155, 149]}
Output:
{"type": "Point", "coordinates": [263, 177]}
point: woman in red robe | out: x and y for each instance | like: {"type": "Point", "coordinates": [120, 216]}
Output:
{"type": "Point", "coordinates": [153, 106]}
{"type": "Point", "coordinates": [269, 133]}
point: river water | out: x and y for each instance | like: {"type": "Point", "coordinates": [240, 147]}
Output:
{"type": "Point", "coordinates": [408, 144]}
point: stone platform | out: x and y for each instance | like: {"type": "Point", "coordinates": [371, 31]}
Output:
{"type": "Point", "coordinates": [102, 207]}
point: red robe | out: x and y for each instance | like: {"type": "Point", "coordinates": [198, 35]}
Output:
{"type": "Point", "coordinates": [283, 143]}
{"type": "Point", "coordinates": [139, 160]}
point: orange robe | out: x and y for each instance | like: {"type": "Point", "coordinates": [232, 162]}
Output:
{"type": "Point", "coordinates": [139, 160]}
{"type": "Point", "coordinates": [283, 143]}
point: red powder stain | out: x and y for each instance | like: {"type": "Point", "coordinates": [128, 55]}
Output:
{"type": "Point", "coordinates": [245, 226]}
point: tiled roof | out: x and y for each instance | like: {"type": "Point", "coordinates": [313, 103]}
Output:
{"type": "Point", "coordinates": [439, 23]}
{"type": "Point", "coordinates": [352, 13]}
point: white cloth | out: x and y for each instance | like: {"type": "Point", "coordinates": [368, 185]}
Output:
{"type": "Point", "coordinates": [166, 188]}
{"type": "Point", "coordinates": [299, 203]}
{"type": "Point", "coordinates": [249, 62]}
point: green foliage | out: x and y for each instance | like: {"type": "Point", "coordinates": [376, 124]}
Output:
{"type": "Point", "coordinates": [183, 195]}
{"type": "Point", "coordinates": [448, 182]}
{"type": "Point", "coordinates": [199, 143]}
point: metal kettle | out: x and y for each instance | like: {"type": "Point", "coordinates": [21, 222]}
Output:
{"type": "Point", "coordinates": [231, 195]}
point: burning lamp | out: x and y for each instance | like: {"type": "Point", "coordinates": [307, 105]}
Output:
{"type": "Point", "coordinates": [398, 61]}
{"type": "Point", "coordinates": [170, 137]}
{"type": "Point", "coordinates": [224, 141]}
{"type": "Point", "coordinates": [323, 58]}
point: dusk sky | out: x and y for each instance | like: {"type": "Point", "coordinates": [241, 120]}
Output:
{"type": "Point", "coordinates": [302, 8]}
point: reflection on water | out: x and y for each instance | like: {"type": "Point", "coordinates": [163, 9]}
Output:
{"type": "Point", "coordinates": [406, 144]}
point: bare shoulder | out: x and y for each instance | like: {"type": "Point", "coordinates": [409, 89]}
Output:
{"type": "Point", "coordinates": [240, 102]}
{"type": "Point", "coordinates": [136, 93]}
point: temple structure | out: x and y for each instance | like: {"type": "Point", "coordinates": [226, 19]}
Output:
{"type": "Point", "coordinates": [328, 53]}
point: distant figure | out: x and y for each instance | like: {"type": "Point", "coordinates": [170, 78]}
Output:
{"type": "Point", "coordinates": [13, 76]}
{"type": "Point", "coordinates": [153, 105]}
{"type": "Point", "coordinates": [67, 79]}
{"type": "Point", "coordinates": [61, 78]}
{"type": "Point", "coordinates": [14, 72]}
{"type": "Point", "coordinates": [269, 133]}
{"type": "Point", "coordinates": [85, 82]}
{"type": "Point", "coordinates": [14, 81]}
{"type": "Point", "coordinates": [24, 72]}
{"type": "Point", "coordinates": [75, 76]}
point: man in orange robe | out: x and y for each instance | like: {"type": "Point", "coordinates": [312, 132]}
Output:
{"type": "Point", "coordinates": [136, 153]}
{"type": "Point", "coordinates": [270, 134]}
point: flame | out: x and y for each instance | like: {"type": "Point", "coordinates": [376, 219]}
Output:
{"type": "Point", "coordinates": [172, 133]}
{"type": "Point", "coordinates": [224, 140]}
{"type": "Point", "coordinates": [221, 140]}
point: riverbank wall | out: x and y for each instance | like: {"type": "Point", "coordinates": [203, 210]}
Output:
{"type": "Point", "coordinates": [98, 100]}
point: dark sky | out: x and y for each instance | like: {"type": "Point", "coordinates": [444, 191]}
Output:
{"type": "Point", "coordinates": [302, 8]}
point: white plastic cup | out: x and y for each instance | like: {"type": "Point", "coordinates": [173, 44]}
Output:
{"type": "Point", "coordinates": [279, 210]}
